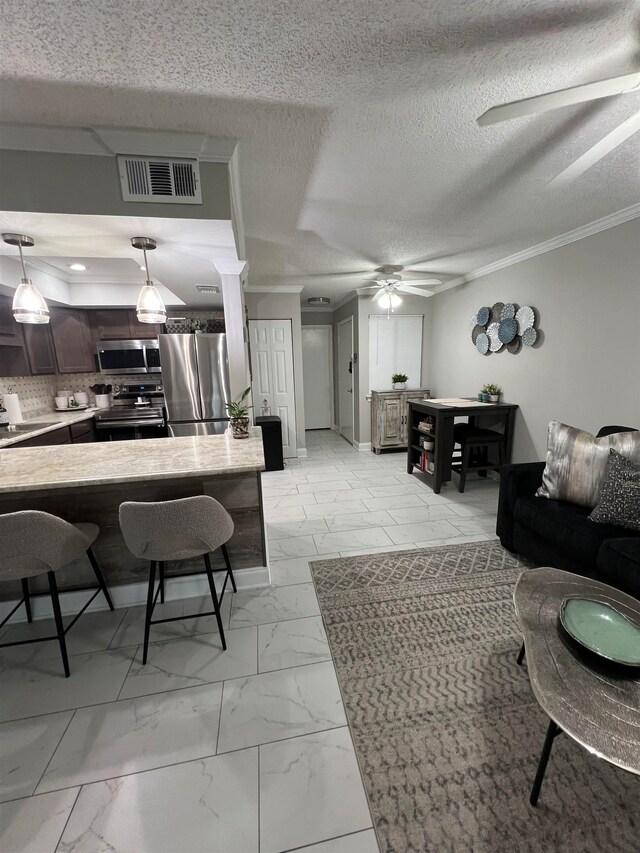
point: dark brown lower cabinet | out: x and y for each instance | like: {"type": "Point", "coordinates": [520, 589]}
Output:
{"type": "Point", "coordinates": [54, 436]}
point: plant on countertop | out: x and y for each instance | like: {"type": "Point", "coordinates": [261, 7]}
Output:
{"type": "Point", "coordinates": [399, 377]}
{"type": "Point", "coordinates": [238, 414]}
{"type": "Point", "coordinates": [196, 325]}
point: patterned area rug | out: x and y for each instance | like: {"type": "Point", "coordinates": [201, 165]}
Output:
{"type": "Point", "coordinates": [446, 728]}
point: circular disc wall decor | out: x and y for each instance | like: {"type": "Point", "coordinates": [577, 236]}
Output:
{"type": "Point", "coordinates": [482, 344]}
{"type": "Point", "coordinates": [503, 326]}
{"type": "Point", "coordinates": [508, 311]}
{"type": "Point", "coordinates": [496, 312]}
{"type": "Point", "coordinates": [508, 330]}
{"type": "Point", "coordinates": [525, 318]}
{"type": "Point", "coordinates": [483, 316]}
{"type": "Point", "coordinates": [477, 330]}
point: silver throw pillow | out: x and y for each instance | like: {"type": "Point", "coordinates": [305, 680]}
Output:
{"type": "Point", "coordinates": [619, 493]}
{"type": "Point", "coordinates": [576, 461]}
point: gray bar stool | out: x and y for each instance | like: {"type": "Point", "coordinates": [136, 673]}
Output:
{"type": "Point", "coordinates": [177, 530]}
{"type": "Point", "coordinates": [34, 543]}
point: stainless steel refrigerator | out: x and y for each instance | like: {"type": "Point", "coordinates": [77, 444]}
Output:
{"type": "Point", "coordinates": [195, 376]}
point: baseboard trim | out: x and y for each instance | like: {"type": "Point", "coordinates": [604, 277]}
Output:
{"type": "Point", "coordinates": [362, 445]}
{"type": "Point", "coordinates": [131, 594]}
{"type": "Point", "coordinates": [335, 428]}
{"type": "Point", "coordinates": [302, 452]}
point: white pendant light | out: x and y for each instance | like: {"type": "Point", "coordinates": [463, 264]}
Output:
{"type": "Point", "coordinates": [150, 307]}
{"type": "Point", "coordinates": [28, 303]}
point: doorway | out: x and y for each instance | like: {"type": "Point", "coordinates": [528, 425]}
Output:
{"type": "Point", "coordinates": [272, 369]}
{"type": "Point", "coordinates": [345, 378]}
{"type": "Point", "coordinates": [317, 366]}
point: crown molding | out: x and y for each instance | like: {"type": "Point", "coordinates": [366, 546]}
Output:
{"type": "Point", "coordinates": [273, 288]}
{"type": "Point", "coordinates": [317, 309]}
{"type": "Point", "coordinates": [609, 221]}
{"type": "Point", "coordinates": [110, 141]}
{"type": "Point", "coordinates": [229, 266]}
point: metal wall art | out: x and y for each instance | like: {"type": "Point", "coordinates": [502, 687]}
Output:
{"type": "Point", "coordinates": [504, 326]}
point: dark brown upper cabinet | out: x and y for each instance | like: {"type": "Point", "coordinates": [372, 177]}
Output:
{"type": "Point", "coordinates": [114, 324]}
{"type": "Point", "coordinates": [10, 334]}
{"type": "Point", "coordinates": [72, 340]}
{"type": "Point", "coordinates": [38, 343]}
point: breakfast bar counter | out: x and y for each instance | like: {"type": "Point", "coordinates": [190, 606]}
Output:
{"type": "Point", "coordinates": [88, 482]}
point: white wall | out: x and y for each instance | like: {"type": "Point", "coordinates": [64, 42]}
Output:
{"type": "Point", "coordinates": [284, 306]}
{"type": "Point", "coordinates": [585, 370]}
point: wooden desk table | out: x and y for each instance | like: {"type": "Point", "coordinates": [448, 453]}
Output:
{"type": "Point", "coordinates": [443, 416]}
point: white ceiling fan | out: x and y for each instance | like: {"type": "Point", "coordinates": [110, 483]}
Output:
{"type": "Point", "coordinates": [389, 283]}
{"type": "Point", "coordinates": [568, 97]}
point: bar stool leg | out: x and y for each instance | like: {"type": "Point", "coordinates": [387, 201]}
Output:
{"type": "Point", "coordinates": [149, 613]}
{"type": "Point", "coordinates": [161, 576]}
{"type": "Point", "coordinates": [99, 576]}
{"type": "Point", "coordinates": [466, 452]}
{"type": "Point", "coordinates": [25, 595]}
{"type": "Point", "coordinates": [57, 615]}
{"type": "Point", "coordinates": [227, 561]}
{"type": "Point", "coordinates": [214, 598]}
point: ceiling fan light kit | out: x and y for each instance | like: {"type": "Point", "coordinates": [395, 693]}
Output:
{"type": "Point", "coordinates": [581, 94]}
{"type": "Point", "coordinates": [28, 303]}
{"type": "Point", "coordinates": [150, 308]}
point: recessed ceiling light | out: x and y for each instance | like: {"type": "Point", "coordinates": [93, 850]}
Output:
{"type": "Point", "coordinates": [78, 267]}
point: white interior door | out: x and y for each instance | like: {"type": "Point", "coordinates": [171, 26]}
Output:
{"type": "Point", "coordinates": [345, 378]}
{"type": "Point", "coordinates": [317, 365]}
{"type": "Point", "coordinates": [272, 367]}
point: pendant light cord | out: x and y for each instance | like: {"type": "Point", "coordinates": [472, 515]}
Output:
{"type": "Point", "coordinates": [24, 272]}
{"type": "Point", "coordinates": [146, 265]}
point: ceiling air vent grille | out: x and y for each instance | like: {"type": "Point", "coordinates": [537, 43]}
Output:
{"type": "Point", "coordinates": [160, 179]}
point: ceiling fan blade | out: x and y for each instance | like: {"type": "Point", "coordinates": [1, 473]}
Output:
{"type": "Point", "coordinates": [598, 151]}
{"type": "Point", "coordinates": [379, 294]}
{"type": "Point", "coordinates": [373, 287]}
{"type": "Point", "coordinates": [561, 98]}
{"type": "Point", "coordinates": [412, 281]}
{"type": "Point", "coordinates": [405, 288]}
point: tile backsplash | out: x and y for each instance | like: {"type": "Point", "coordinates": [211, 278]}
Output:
{"type": "Point", "coordinates": [36, 393]}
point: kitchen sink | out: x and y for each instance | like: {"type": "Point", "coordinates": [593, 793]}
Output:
{"type": "Point", "coordinates": [30, 427]}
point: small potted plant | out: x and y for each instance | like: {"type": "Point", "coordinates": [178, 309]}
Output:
{"type": "Point", "coordinates": [238, 414]}
{"type": "Point", "coordinates": [492, 392]}
{"type": "Point", "coordinates": [399, 381]}
{"type": "Point", "coordinates": [196, 327]}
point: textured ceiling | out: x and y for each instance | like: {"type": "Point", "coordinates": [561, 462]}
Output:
{"type": "Point", "coordinates": [355, 118]}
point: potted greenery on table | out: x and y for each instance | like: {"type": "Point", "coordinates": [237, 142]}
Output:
{"type": "Point", "coordinates": [238, 414]}
{"type": "Point", "coordinates": [399, 381]}
{"type": "Point", "coordinates": [492, 391]}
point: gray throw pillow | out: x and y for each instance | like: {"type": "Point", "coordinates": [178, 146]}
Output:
{"type": "Point", "coordinates": [576, 461]}
{"type": "Point", "coordinates": [619, 493]}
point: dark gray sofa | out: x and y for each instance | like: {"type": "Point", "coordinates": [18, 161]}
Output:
{"type": "Point", "coordinates": [560, 534]}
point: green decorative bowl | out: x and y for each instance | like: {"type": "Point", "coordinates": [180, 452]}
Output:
{"type": "Point", "coordinates": [602, 629]}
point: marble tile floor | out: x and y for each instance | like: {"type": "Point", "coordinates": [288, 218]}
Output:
{"type": "Point", "coordinates": [247, 750]}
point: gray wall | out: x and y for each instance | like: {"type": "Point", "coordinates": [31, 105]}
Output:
{"type": "Point", "coordinates": [585, 369]}
{"type": "Point", "coordinates": [284, 306]}
{"type": "Point", "coordinates": [317, 318]}
{"type": "Point", "coordinates": [81, 183]}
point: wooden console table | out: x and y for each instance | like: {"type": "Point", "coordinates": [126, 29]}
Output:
{"type": "Point", "coordinates": [443, 417]}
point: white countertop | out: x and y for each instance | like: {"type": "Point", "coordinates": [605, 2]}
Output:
{"type": "Point", "coordinates": [55, 420]}
{"type": "Point", "coordinates": [74, 465]}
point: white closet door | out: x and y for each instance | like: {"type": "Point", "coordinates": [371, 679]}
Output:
{"type": "Point", "coordinates": [272, 365]}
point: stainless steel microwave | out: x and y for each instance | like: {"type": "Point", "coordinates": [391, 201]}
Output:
{"type": "Point", "coordinates": [129, 356]}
